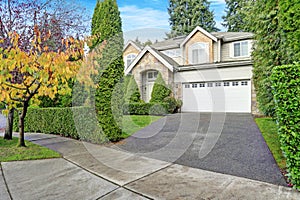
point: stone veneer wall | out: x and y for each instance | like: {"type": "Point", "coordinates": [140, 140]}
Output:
{"type": "Point", "coordinates": [149, 62]}
{"type": "Point", "coordinates": [178, 90]}
{"type": "Point", "coordinates": [254, 106]}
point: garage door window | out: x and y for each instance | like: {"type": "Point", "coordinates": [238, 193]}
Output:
{"type": "Point", "coordinates": [244, 83]}
{"type": "Point", "coordinates": [187, 85]}
{"type": "Point", "coordinates": [209, 84]}
{"type": "Point", "coordinates": [202, 85]}
{"type": "Point", "coordinates": [226, 84]}
{"type": "Point", "coordinates": [194, 85]}
{"type": "Point", "coordinates": [235, 83]}
{"type": "Point", "coordinates": [218, 84]}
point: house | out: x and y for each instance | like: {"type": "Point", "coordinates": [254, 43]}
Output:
{"type": "Point", "coordinates": [209, 72]}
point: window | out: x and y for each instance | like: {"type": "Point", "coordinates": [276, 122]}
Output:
{"type": "Point", "coordinates": [187, 85]}
{"type": "Point", "coordinates": [129, 59]}
{"type": "Point", "coordinates": [172, 53]}
{"type": "Point", "coordinates": [240, 49]}
{"type": "Point", "coordinates": [209, 84]}
{"type": "Point", "coordinates": [235, 83]}
{"type": "Point", "coordinates": [226, 84]}
{"type": "Point", "coordinates": [152, 75]}
{"type": "Point", "coordinates": [244, 83]}
{"type": "Point", "coordinates": [218, 84]}
{"type": "Point", "coordinates": [201, 84]}
{"type": "Point", "coordinates": [194, 85]}
{"type": "Point", "coordinates": [198, 53]}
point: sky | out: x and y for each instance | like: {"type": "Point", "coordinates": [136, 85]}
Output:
{"type": "Point", "coordinates": [149, 19]}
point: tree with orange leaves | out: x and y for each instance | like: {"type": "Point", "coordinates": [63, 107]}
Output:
{"type": "Point", "coordinates": [26, 75]}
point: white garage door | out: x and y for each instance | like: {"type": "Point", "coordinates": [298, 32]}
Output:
{"type": "Point", "coordinates": [225, 96]}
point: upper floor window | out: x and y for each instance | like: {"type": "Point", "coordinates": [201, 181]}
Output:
{"type": "Point", "coordinates": [172, 53]}
{"type": "Point", "coordinates": [241, 49]}
{"type": "Point", "coordinates": [129, 59]}
{"type": "Point", "coordinates": [198, 53]}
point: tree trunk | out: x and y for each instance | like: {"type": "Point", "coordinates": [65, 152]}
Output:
{"type": "Point", "coordinates": [21, 125]}
{"type": "Point", "coordinates": [9, 125]}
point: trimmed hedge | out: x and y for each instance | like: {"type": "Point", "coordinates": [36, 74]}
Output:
{"type": "Point", "coordinates": [75, 122]}
{"type": "Point", "coordinates": [286, 90]}
{"type": "Point", "coordinates": [145, 108]}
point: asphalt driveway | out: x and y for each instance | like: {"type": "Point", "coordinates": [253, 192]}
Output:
{"type": "Point", "coordinates": [225, 143]}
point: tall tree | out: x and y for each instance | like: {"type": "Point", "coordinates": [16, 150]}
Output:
{"type": "Point", "coordinates": [234, 20]}
{"type": "Point", "coordinates": [185, 15]}
{"type": "Point", "coordinates": [27, 75]}
{"type": "Point", "coordinates": [263, 22]}
{"type": "Point", "coordinates": [107, 31]}
{"type": "Point", "coordinates": [276, 28]}
{"type": "Point", "coordinates": [56, 16]}
{"type": "Point", "coordinates": [289, 24]}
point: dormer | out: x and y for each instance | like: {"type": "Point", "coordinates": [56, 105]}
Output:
{"type": "Point", "coordinates": [198, 48]}
{"type": "Point", "coordinates": [130, 52]}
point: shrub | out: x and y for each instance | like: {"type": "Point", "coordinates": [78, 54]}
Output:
{"type": "Point", "coordinates": [174, 105]}
{"type": "Point", "coordinates": [286, 91]}
{"type": "Point", "coordinates": [132, 93]}
{"type": "Point", "coordinates": [160, 90]}
{"type": "Point", "coordinates": [60, 121]}
{"type": "Point", "coordinates": [145, 108]}
{"type": "Point", "coordinates": [171, 102]}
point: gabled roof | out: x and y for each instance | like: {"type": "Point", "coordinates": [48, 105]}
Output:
{"type": "Point", "coordinates": [169, 43]}
{"type": "Point", "coordinates": [134, 44]}
{"type": "Point", "coordinates": [198, 28]}
{"type": "Point", "coordinates": [165, 60]}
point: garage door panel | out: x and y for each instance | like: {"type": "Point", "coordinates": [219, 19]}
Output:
{"type": "Point", "coordinates": [217, 99]}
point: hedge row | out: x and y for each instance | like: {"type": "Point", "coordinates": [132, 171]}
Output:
{"type": "Point", "coordinates": [76, 122]}
{"type": "Point", "coordinates": [286, 90]}
{"type": "Point", "coordinates": [145, 108]}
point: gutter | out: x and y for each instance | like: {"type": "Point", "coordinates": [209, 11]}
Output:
{"type": "Point", "coordinates": [213, 65]}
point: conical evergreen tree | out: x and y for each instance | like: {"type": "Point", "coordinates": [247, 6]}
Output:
{"type": "Point", "coordinates": [234, 20]}
{"type": "Point", "coordinates": [107, 32]}
{"type": "Point", "coordinates": [160, 90]}
{"type": "Point", "coordinates": [132, 93]}
{"type": "Point", "coordinates": [185, 15]}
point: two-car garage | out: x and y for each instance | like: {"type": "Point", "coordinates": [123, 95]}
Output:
{"type": "Point", "coordinates": [217, 96]}
{"type": "Point", "coordinates": [216, 88]}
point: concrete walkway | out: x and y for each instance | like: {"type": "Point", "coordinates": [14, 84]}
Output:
{"type": "Point", "coordinates": [89, 171]}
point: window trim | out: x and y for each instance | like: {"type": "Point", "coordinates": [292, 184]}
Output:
{"type": "Point", "coordinates": [153, 75]}
{"type": "Point", "coordinates": [196, 46]}
{"type": "Point", "coordinates": [127, 57]}
{"type": "Point", "coordinates": [240, 42]}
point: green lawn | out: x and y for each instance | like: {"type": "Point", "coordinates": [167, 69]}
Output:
{"type": "Point", "coordinates": [134, 123]}
{"type": "Point", "coordinates": [10, 152]}
{"type": "Point", "coordinates": [269, 131]}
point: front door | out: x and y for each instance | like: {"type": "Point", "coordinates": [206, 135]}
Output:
{"type": "Point", "coordinates": [149, 88]}
{"type": "Point", "coordinates": [151, 77]}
